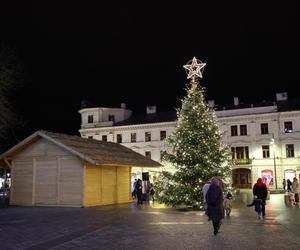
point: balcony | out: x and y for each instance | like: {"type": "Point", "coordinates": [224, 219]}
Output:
{"type": "Point", "coordinates": [97, 124]}
{"type": "Point", "coordinates": [242, 161]}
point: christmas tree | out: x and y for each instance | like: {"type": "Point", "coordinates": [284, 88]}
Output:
{"type": "Point", "coordinates": [198, 153]}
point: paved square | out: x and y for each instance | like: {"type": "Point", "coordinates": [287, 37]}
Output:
{"type": "Point", "coordinates": [148, 227]}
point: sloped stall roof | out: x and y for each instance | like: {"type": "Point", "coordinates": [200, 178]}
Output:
{"type": "Point", "coordinates": [93, 151]}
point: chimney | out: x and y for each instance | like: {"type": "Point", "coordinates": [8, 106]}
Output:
{"type": "Point", "coordinates": [236, 101]}
{"type": "Point", "coordinates": [123, 105]}
{"type": "Point", "coordinates": [151, 109]}
{"type": "Point", "coordinates": [211, 103]}
{"type": "Point", "coordinates": [281, 96]}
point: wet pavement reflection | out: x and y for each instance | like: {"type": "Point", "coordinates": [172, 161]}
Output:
{"type": "Point", "coordinates": [150, 226]}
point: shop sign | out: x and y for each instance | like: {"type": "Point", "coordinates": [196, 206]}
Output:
{"type": "Point", "coordinates": [267, 176]}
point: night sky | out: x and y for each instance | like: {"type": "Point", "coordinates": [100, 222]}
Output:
{"type": "Point", "coordinates": [128, 52]}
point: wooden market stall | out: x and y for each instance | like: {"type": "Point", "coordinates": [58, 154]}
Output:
{"type": "Point", "coordinates": [62, 170]}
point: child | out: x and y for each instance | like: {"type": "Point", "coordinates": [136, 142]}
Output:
{"type": "Point", "coordinates": [292, 198]}
{"type": "Point", "coordinates": [257, 203]}
{"type": "Point", "coordinates": [227, 203]}
{"type": "Point", "coordinates": [152, 192]}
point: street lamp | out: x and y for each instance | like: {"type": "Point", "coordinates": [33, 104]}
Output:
{"type": "Point", "coordinates": [272, 142]}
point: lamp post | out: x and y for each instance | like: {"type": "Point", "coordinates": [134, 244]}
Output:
{"type": "Point", "coordinates": [272, 142]}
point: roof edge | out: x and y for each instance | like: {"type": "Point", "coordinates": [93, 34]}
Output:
{"type": "Point", "coordinates": [49, 138]}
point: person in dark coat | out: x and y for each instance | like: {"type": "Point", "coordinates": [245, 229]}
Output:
{"type": "Point", "coordinates": [214, 200]}
{"type": "Point", "coordinates": [289, 185]}
{"type": "Point", "coordinates": [139, 192]}
{"type": "Point", "coordinates": [260, 190]}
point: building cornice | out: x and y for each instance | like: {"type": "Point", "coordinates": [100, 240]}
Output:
{"type": "Point", "coordinates": [129, 127]}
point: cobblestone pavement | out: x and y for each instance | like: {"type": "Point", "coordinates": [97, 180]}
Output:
{"type": "Point", "coordinates": [148, 227]}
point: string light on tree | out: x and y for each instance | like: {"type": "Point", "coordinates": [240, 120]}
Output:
{"type": "Point", "coordinates": [198, 153]}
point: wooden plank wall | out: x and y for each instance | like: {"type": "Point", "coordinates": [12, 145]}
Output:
{"type": "Point", "coordinates": [109, 185]}
{"type": "Point", "coordinates": [124, 184]}
{"type": "Point", "coordinates": [21, 189]}
{"type": "Point", "coordinates": [45, 181]}
{"type": "Point", "coordinates": [104, 185]}
{"type": "Point", "coordinates": [70, 181]}
{"type": "Point", "coordinates": [93, 185]}
{"type": "Point", "coordinates": [46, 174]}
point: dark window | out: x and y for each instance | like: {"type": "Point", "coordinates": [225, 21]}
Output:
{"type": "Point", "coordinates": [119, 138]}
{"type": "Point", "coordinates": [104, 137]}
{"type": "Point", "coordinates": [111, 118]}
{"type": "Point", "coordinates": [243, 129]}
{"type": "Point", "coordinates": [90, 119]}
{"type": "Point", "coordinates": [133, 137]}
{"type": "Point", "coordinates": [264, 128]}
{"type": "Point", "coordinates": [163, 135]}
{"type": "Point", "coordinates": [234, 131]}
{"type": "Point", "coordinates": [290, 150]}
{"type": "Point", "coordinates": [288, 127]}
{"type": "Point", "coordinates": [266, 151]}
{"type": "Point", "coordinates": [147, 136]}
{"type": "Point", "coordinates": [90, 137]}
{"type": "Point", "coordinates": [148, 154]}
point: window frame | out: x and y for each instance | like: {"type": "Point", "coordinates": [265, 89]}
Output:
{"type": "Point", "coordinates": [264, 128]}
{"type": "Point", "coordinates": [119, 138]}
{"type": "Point", "coordinates": [90, 119]}
{"type": "Point", "coordinates": [132, 138]}
{"type": "Point", "coordinates": [234, 128]}
{"type": "Point", "coordinates": [290, 151]}
{"type": "Point", "coordinates": [265, 151]}
{"type": "Point", "coordinates": [243, 130]}
{"type": "Point", "coordinates": [163, 137]}
{"type": "Point", "coordinates": [287, 128]}
{"type": "Point", "coordinates": [147, 136]}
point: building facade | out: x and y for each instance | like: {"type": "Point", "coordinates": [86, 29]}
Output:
{"type": "Point", "coordinates": [264, 138]}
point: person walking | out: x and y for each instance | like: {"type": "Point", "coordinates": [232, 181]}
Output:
{"type": "Point", "coordinates": [257, 203]}
{"type": "Point", "coordinates": [261, 192]}
{"type": "Point", "coordinates": [283, 184]}
{"type": "Point", "coordinates": [227, 203]}
{"type": "Point", "coordinates": [134, 189]}
{"type": "Point", "coordinates": [204, 191]}
{"type": "Point", "coordinates": [295, 189]}
{"type": "Point", "coordinates": [289, 184]}
{"type": "Point", "coordinates": [214, 200]}
{"type": "Point", "coordinates": [139, 192]}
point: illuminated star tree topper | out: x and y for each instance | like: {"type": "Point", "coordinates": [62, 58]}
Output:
{"type": "Point", "coordinates": [194, 69]}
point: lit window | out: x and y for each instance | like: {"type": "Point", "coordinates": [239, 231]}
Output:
{"type": "Point", "coordinates": [240, 152]}
{"type": "Point", "coordinates": [119, 138]}
{"type": "Point", "coordinates": [90, 119]}
{"type": "Point", "coordinates": [163, 135]}
{"type": "Point", "coordinates": [243, 129]}
{"type": "Point", "coordinates": [266, 151]}
{"type": "Point", "coordinates": [147, 136]}
{"type": "Point", "coordinates": [290, 150]}
{"type": "Point", "coordinates": [288, 127]}
{"type": "Point", "coordinates": [133, 137]}
{"type": "Point", "coordinates": [264, 128]}
{"type": "Point", "coordinates": [234, 131]}
{"type": "Point", "coordinates": [104, 137]}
